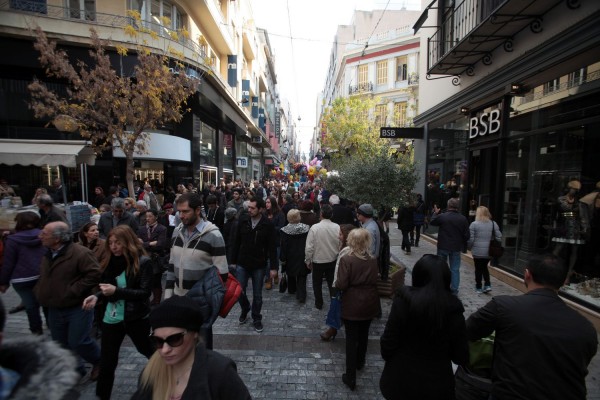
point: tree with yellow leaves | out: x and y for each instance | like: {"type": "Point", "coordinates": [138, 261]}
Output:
{"type": "Point", "coordinates": [106, 107]}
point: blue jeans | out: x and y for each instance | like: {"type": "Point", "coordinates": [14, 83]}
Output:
{"type": "Point", "coordinates": [71, 327]}
{"type": "Point", "coordinates": [32, 307]}
{"type": "Point", "coordinates": [453, 258]}
{"type": "Point", "coordinates": [258, 275]}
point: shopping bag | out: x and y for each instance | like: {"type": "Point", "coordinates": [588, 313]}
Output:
{"type": "Point", "coordinates": [334, 316]}
{"type": "Point", "coordinates": [283, 283]}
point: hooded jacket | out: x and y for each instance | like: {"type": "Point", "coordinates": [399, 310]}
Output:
{"type": "Point", "coordinates": [22, 257]}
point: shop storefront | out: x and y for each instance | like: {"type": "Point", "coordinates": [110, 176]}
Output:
{"type": "Point", "coordinates": [520, 156]}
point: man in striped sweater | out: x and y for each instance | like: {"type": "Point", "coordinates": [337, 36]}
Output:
{"type": "Point", "coordinates": [197, 246]}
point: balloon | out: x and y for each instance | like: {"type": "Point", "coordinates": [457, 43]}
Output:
{"type": "Point", "coordinates": [323, 172]}
{"type": "Point", "coordinates": [311, 170]}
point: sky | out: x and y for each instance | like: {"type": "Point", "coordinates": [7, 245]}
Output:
{"type": "Point", "coordinates": [301, 62]}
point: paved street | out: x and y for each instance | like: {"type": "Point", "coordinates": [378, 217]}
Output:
{"type": "Point", "coordinates": [288, 360]}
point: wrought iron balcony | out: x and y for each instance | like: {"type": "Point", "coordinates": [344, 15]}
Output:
{"type": "Point", "coordinates": [365, 87]}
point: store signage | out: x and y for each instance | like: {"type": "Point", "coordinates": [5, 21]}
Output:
{"type": "Point", "coordinates": [401, 133]}
{"type": "Point", "coordinates": [254, 106]}
{"type": "Point", "coordinates": [232, 70]}
{"type": "Point", "coordinates": [277, 124]}
{"type": "Point", "coordinates": [256, 139]}
{"type": "Point", "coordinates": [245, 93]}
{"type": "Point", "coordinates": [484, 124]}
{"type": "Point", "coordinates": [261, 119]}
{"type": "Point", "coordinates": [241, 162]}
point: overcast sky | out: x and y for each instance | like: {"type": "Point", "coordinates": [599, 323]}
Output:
{"type": "Point", "coordinates": [301, 63]}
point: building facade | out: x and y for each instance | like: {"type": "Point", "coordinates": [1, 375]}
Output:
{"type": "Point", "coordinates": [224, 136]}
{"type": "Point", "coordinates": [511, 119]}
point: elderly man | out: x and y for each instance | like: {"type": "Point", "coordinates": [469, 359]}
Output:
{"type": "Point", "coordinates": [150, 198]}
{"type": "Point", "coordinates": [320, 253]}
{"type": "Point", "coordinates": [141, 208]}
{"type": "Point", "coordinates": [341, 214]}
{"type": "Point", "coordinates": [48, 211]}
{"type": "Point", "coordinates": [57, 191]}
{"type": "Point", "coordinates": [117, 216]}
{"type": "Point", "coordinates": [68, 274]}
{"type": "Point", "coordinates": [365, 217]}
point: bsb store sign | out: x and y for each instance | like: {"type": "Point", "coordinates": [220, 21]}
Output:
{"type": "Point", "coordinates": [485, 123]}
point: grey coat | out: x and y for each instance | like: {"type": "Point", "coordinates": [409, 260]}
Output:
{"type": "Point", "coordinates": [481, 234]}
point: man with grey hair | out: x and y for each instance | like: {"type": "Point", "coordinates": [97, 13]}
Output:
{"type": "Point", "coordinates": [365, 217]}
{"type": "Point", "coordinates": [141, 208]}
{"type": "Point", "coordinates": [48, 211]}
{"type": "Point", "coordinates": [68, 274]}
{"type": "Point", "coordinates": [453, 236]}
{"type": "Point", "coordinates": [117, 216]}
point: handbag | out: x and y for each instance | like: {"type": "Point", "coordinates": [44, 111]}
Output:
{"type": "Point", "coordinates": [334, 315]}
{"type": "Point", "coordinates": [496, 250]}
{"type": "Point", "coordinates": [233, 291]}
{"type": "Point", "coordinates": [283, 283]}
{"type": "Point", "coordinates": [473, 382]}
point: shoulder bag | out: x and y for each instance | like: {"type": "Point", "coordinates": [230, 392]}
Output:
{"type": "Point", "coordinates": [496, 250]}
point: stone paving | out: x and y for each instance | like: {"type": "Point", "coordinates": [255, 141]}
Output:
{"type": "Point", "coordinates": [288, 360]}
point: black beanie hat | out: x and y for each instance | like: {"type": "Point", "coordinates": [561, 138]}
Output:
{"type": "Point", "coordinates": [177, 312]}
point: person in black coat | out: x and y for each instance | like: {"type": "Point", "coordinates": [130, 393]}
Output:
{"type": "Point", "coordinates": [341, 214]}
{"type": "Point", "coordinates": [154, 240]}
{"type": "Point", "coordinates": [424, 333]}
{"type": "Point", "coordinates": [293, 243]}
{"type": "Point", "coordinates": [125, 287]}
{"type": "Point", "coordinates": [406, 225]}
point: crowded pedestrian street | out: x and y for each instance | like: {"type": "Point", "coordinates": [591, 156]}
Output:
{"type": "Point", "coordinates": [288, 360]}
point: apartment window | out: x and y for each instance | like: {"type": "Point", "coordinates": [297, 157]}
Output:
{"type": "Point", "coordinates": [551, 86]}
{"type": "Point", "coordinates": [576, 78]}
{"type": "Point", "coordinates": [400, 113]}
{"type": "Point", "coordinates": [162, 15]}
{"type": "Point", "coordinates": [382, 72]}
{"type": "Point", "coordinates": [401, 68]}
{"type": "Point", "coordinates": [82, 9]}
{"type": "Point", "coordinates": [363, 74]}
{"type": "Point", "coordinates": [380, 114]}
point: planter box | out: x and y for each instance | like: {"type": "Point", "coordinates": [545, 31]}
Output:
{"type": "Point", "coordinates": [387, 288]}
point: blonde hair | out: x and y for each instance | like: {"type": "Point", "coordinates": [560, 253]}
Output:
{"type": "Point", "coordinates": [157, 376]}
{"type": "Point", "coordinates": [359, 241]}
{"type": "Point", "coordinates": [132, 248]}
{"type": "Point", "coordinates": [483, 214]}
{"type": "Point", "coordinates": [293, 216]}
{"type": "Point", "coordinates": [130, 200]}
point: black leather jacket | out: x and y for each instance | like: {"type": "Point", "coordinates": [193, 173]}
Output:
{"type": "Point", "coordinates": [137, 292]}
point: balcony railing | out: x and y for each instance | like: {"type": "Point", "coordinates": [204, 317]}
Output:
{"type": "Point", "coordinates": [569, 84]}
{"type": "Point", "coordinates": [43, 10]}
{"type": "Point", "coordinates": [360, 88]}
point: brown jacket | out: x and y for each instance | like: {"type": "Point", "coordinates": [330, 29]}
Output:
{"type": "Point", "coordinates": [357, 279]}
{"type": "Point", "coordinates": [69, 278]}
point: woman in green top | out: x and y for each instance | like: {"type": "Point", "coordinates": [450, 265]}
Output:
{"type": "Point", "coordinates": [125, 286]}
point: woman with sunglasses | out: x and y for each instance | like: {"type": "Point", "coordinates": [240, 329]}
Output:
{"type": "Point", "coordinates": [182, 367]}
{"type": "Point", "coordinates": [125, 288]}
{"type": "Point", "coordinates": [425, 332]}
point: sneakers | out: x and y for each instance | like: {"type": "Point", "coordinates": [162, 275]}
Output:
{"type": "Point", "coordinates": [258, 326]}
{"type": "Point", "coordinates": [487, 289]}
{"type": "Point", "coordinates": [479, 290]}
{"type": "Point", "coordinates": [243, 317]}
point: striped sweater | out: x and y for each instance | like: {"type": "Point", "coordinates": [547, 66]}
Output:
{"type": "Point", "coordinates": [190, 258]}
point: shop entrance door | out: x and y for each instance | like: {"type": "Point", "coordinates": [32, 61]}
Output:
{"type": "Point", "coordinates": [483, 179]}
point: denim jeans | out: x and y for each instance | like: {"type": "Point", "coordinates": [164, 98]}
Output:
{"type": "Point", "coordinates": [257, 275]}
{"type": "Point", "coordinates": [453, 258]}
{"type": "Point", "coordinates": [32, 307]}
{"type": "Point", "coordinates": [71, 327]}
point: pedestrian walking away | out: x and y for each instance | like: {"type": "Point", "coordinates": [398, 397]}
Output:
{"type": "Point", "coordinates": [481, 231]}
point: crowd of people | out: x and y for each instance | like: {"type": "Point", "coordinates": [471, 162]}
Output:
{"type": "Point", "coordinates": [112, 277]}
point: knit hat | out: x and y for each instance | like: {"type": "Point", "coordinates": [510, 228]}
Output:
{"type": "Point", "coordinates": [230, 212]}
{"type": "Point", "coordinates": [177, 312]}
{"type": "Point", "coordinates": [366, 210]}
{"type": "Point", "coordinates": [167, 206]}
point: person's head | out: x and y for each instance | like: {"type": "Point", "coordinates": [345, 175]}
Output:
{"type": "Point", "coordinates": [255, 207]}
{"type": "Point", "coordinates": [40, 191]}
{"type": "Point", "coordinates": [211, 201]}
{"type": "Point", "coordinates": [482, 214]}
{"type": "Point", "coordinates": [431, 270]}
{"type": "Point", "coordinates": [326, 211]}
{"type": "Point", "coordinates": [359, 241]}
{"type": "Point", "coordinates": [189, 206]}
{"type": "Point", "coordinates": [287, 199]}
{"type": "Point", "coordinates": [44, 201]}
{"type": "Point", "coordinates": [545, 270]}
{"type": "Point", "coordinates": [574, 186]}
{"type": "Point", "coordinates": [113, 191]}
{"type": "Point", "coordinates": [88, 233]}
{"type": "Point", "coordinates": [453, 203]}
{"type": "Point", "coordinates": [334, 199]}
{"type": "Point", "coordinates": [104, 208]}
{"type": "Point", "coordinates": [344, 231]}
{"type": "Point", "coordinates": [151, 217]}
{"type": "Point", "coordinates": [237, 194]}
{"type": "Point", "coordinates": [147, 188]}
{"type": "Point", "coordinates": [296, 196]}
{"type": "Point", "coordinates": [293, 216]}
{"type": "Point", "coordinates": [230, 213]}
{"type": "Point", "coordinates": [306, 205]}
{"type": "Point", "coordinates": [123, 242]}
{"type": "Point", "coordinates": [57, 183]}
{"type": "Point", "coordinates": [55, 235]}
{"type": "Point", "coordinates": [168, 208]}
{"type": "Point", "coordinates": [364, 212]}
{"type": "Point", "coordinates": [129, 203]}
{"type": "Point", "coordinates": [99, 191]}
{"type": "Point", "coordinates": [141, 206]}
{"type": "Point", "coordinates": [271, 205]}
{"type": "Point", "coordinates": [26, 220]}
{"type": "Point", "coordinates": [117, 206]}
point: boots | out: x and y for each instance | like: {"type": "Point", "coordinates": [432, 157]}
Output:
{"type": "Point", "coordinates": [156, 296]}
{"type": "Point", "coordinates": [329, 335]}
{"type": "Point", "coordinates": [268, 284]}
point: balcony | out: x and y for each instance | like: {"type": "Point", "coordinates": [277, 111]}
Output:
{"type": "Point", "coordinates": [361, 88]}
{"type": "Point", "coordinates": [475, 28]}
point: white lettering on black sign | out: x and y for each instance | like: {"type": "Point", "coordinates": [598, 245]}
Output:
{"type": "Point", "coordinates": [484, 124]}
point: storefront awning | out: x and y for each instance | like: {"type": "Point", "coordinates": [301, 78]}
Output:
{"type": "Point", "coordinates": [68, 153]}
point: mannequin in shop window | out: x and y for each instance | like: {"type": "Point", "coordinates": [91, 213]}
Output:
{"type": "Point", "coordinates": [591, 203]}
{"type": "Point", "coordinates": [570, 225]}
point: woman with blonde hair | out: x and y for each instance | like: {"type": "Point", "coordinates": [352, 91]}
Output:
{"type": "Point", "coordinates": [482, 230]}
{"type": "Point", "coordinates": [125, 288]}
{"type": "Point", "coordinates": [182, 367]}
{"type": "Point", "coordinates": [357, 279]}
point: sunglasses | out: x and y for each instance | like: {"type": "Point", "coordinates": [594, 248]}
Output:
{"type": "Point", "coordinates": [174, 340]}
